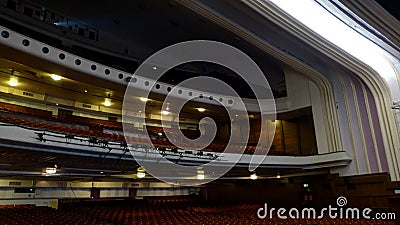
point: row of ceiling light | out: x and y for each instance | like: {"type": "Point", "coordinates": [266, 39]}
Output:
{"type": "Point", "coordinates": [13, 82]}
{"type": "Point", "coordinates": [141, 173]}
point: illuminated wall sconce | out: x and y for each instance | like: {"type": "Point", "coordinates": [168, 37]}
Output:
{"type": "Point", "coordinates": [13, 82]}
{"type": "Point", "coordinates": [142, 99]}
{"type": "Point", "coordinates": [200, 175]}
{"type": "Point", "coordinates": [141, 173]}
{"type": "Point", "coordinates": [107, 102]}
{"type": "Point", "coordinates": [50, 170]}
{"type": "Point", "coordinates": [56, 77]}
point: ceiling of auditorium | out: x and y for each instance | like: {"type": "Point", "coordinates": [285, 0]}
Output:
{"type": "Point", "coordinates": [150, 25]}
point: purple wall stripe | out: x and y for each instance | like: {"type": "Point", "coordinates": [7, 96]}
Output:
{"type": "Point", "coordinates": [365, 125]}
{"type": "Point", "coordinates": [358, 144]}
{"type": "Point", "coordinates": [378, 133]}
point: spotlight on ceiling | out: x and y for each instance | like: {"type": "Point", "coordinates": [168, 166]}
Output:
{"type": "Point", "coordinates": [201, 109]}
{"type": "Point", "coordinates": [107, 102]}
{"type": "Point", "coordinates": [142, 99]}
{"type": "Point", "coordinates": [56, 77]}
{"type": "Point", "coordinates": [13, 82]}
{"type": "Point", "coordinates": [253, 176]}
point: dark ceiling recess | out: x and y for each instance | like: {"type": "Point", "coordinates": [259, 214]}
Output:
{"type": "Point", "coordinates": [178, 75]}
{"type": "Point", "coordinates": [392, 6]}
{"type": "Point", "coordinates": [147, 26]}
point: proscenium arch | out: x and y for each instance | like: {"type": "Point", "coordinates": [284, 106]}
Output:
{"type": "Point", "coordinates": [374, 81]}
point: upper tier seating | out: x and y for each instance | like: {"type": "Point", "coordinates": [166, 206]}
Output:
{"type": "Point", "coordinates": [94, 122]}
{"type": "Point", "coordinates": [103, 129]}
{"type": "Point", "coordinates": [25, 110]}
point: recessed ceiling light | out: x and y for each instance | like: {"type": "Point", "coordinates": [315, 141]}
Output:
{"type": "Point", "coordinates": [154, 67]}
{"type": "Point", "coordinates": [253, 176]}
{"type": "Point", "coordinates": [13, 82]}
{"type": "Point", "coordinates": [107, 102]}
{"type": "Point", "coordinates": [143, 99]}
{"type": "Point", "coordinates": [56, 77]}
{"type": "Point", "coordinates": [236, 115]}
{"type": "Point", "coordinates": [85, 91]}
{"type": "Point", "coordinates": [278, 176]}
{"type": "Point", "coordinates": [101, 172]}
{"type": "Point", "coordinates": [201, 109]}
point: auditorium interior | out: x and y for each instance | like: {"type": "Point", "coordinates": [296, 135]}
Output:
{"type": "Point", "coordinates": [77, 147]}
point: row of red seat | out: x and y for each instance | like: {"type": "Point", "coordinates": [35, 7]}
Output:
{"type": "Point", "coordinates": [25, 110]}
{"type": "Point", "coordinates": [193, 212]}
{"type": "Point", "coordinates": [113, 125]}
{"type": "Point", "coordinates": [44, 126]}
{"type": "Point", "coordinates": [45, 216]}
